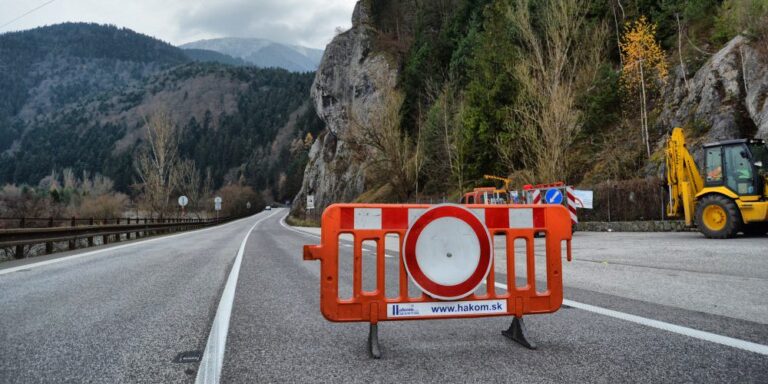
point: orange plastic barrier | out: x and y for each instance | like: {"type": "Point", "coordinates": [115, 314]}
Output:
{"type": "Point", "coordinates": [372, 222]}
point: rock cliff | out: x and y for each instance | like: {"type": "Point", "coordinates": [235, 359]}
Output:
{"type": "Point", "coordinates": [347, 83]}
{"type": "Point", "coordinates": [727, 98]}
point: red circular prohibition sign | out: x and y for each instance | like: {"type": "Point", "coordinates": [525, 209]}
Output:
{"type": "Point", "coordinates": [434, 289]}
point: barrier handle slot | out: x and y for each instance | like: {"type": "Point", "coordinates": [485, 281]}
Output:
{"type": "Point", "coordinates": [311, 252]}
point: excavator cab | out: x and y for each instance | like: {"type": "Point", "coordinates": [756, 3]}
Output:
{"type": "Point", "coordinates": [739, 165]}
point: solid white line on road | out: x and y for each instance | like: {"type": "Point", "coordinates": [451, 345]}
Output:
{"type": "Point", "coordinates": [79, 255]}
{"type": "Point", "coordinates": [290, 228]}
{"type": "Point", "coordinates": [679, 329]}
{"type": "Point", "coordinates": [209, 370]}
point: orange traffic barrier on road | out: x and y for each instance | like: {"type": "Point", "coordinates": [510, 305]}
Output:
{"type": "Point", "coordinates": [447, 251]}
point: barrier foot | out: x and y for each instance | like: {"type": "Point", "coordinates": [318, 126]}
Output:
{"type": "Point", "coordinates": [373, 341]}
{"type": "Point", "coordinates": [516, 333]}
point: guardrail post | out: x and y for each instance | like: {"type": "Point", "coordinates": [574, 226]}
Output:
{"type": "Point", "coordinates": [72, 242]}
{"type": "Point", "coordinates": [90, 238]}
{"type": "Point", "coordinates": [19, 254]}
{"type": "Point", "coordinates": [49, 245]}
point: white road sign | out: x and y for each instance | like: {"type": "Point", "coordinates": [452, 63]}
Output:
{"type": "Point", "coordinates": [310, 201]}
{"type": "Point", "coordinates": [183, 201]}
{"type": "Point", "coordinates": [583, 198]}
{"type": "Point", "coordinates": [217, 203]}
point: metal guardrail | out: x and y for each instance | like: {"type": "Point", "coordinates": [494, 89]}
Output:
{"type": "Point", "coordinates": [18, 238]}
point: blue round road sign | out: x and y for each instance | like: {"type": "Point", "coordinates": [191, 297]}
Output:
{"type": "Point", "coordinates": [553, 196]}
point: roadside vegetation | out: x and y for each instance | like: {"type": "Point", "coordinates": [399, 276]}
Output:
{"type": "Point", "coordinates": [539, 91]}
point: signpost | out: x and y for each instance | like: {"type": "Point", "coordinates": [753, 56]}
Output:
{"type": "Point", "coordinates": [217, 205]}
{"type": "Point", "coordinates": [310, 202]}
{"type": "Point", "coordinates": [183, 201]}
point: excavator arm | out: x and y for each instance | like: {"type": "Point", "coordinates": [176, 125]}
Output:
{"type": "Point", "coordinates": [505, 180]}
{"type": "Point", "coordinates": [683, 178]}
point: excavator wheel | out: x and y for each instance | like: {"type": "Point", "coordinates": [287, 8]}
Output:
{"type": "Point", "coordinates": [718, 217]}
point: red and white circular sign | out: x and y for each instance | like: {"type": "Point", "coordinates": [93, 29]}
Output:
{"type": "Point", "coordinates": [448, 252]}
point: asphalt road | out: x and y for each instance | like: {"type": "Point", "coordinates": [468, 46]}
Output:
{"type": "Point", "coordinates": [121, 315]}
{"type": "Point", "coordinates": [124, 315]}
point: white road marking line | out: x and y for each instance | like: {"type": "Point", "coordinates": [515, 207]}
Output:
{"type": "Point", "coordinates": [288, 227]}
{"type": "Point", "coordinates": [679, 329]}
{"type": "Point", "coordinates": [209, 370]}
{"type": "Point", "coordinates": [67, 258]}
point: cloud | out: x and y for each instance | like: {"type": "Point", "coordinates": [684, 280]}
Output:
{"type": "Point", "coordinates": [304, 22]}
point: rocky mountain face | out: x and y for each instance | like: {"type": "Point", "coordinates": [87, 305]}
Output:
{"type": "Point", "coordinates": [262, 53]}
{"type": "Point", "coordinates": [727, 98]}
{"type": "Point", "coordinates": [347, 83]}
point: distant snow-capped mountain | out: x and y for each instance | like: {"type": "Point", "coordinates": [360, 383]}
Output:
{"type": "Point", "coordinates": [263, 53]}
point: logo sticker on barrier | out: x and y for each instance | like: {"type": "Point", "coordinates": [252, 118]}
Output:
{"type": "Point", "coordinates": [448, 252]}
{"type": "Point", "coordinates": [553, 196]}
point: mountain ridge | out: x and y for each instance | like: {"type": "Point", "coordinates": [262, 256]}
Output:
{"type": "Point", "coordinates": [262, 52]}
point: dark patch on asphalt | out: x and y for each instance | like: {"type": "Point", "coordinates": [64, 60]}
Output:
{"type": "Point", "coordinates": [188, 357]}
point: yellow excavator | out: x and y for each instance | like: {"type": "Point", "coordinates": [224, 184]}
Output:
{"type": "Point", "coordinates": [732, 196]}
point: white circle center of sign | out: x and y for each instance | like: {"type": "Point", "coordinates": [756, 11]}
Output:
{"type": "Point", "coordinates": [448, 251]}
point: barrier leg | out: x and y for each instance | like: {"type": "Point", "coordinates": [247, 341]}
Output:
{"type": "Point", "coordinates": [516, 333]}
{"type": "Point", "coordinates": [373, 341]}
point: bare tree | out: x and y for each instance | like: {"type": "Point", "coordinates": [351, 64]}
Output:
{"type": "Point", "coordinates": [388, 153]}
{"type": "Point", "coordinates": [69, 179]}
{"type": "Point", "coordinates": [452, 138]}
{"type": "Point", "coordinates": [156, 163]}
{"type": "Point", "coordinates": [561, 56]}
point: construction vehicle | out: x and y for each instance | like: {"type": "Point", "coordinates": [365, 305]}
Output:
{"type": "Point", "coordinates": [486, 195]}
{"type": "Point", "coordinates": [733, 195]}
{"type": "Point", "coordinates": [505, 180]}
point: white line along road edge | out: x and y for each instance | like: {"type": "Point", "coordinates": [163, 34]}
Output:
{"type": "Point", "coordinates": [89, 253]}
{"type": "Point", "coordinates": [209, 370]}
{"type": "Point", "coordinates": [679, 329]}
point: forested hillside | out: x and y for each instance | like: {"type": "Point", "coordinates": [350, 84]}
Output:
{"type": "Point", "coordinates": [492, 68]}
{"type": "Point", "coordinates": [79, 97]}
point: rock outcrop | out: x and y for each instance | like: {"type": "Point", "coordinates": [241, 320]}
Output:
{"type": "Point", "coordinates": [726, 99]}
{"type": "Point", "coordinates": [347, 84]}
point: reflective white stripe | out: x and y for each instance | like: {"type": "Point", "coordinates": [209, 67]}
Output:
{"type": "Point", "coordinates": [574, 217]}
{"type": "Point", "coordinates": [480, 213]}
{"type": "Point", "coordinates": [521, 218]}
{"type": "Point", "coordinates": [536, 197]}
{"type": "Point", "coordinates": [367, 218]}
{"type": "Point", "coordinates": [414, 214]}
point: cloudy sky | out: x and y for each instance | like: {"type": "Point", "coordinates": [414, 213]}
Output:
{"type": "Point", "coordinates": [304, 22]}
